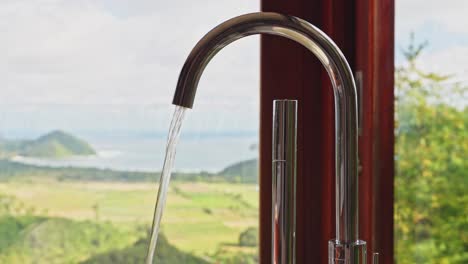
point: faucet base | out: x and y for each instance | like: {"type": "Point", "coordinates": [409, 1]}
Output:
{"type": "Point", "coordinates": [340, 252]}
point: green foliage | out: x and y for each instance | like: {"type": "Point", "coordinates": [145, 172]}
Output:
{"type": "Point", "coordinates": [10, 170]}
{"type": "Point", "coordinates": [227, 256]}
{"type": "Point", "coordinates": [28, 239]}
{"type": "Point", "coordinates": [165, 254]}
{"type": "Point", "coordinates": [248, 241]}
{"type": "Point", "coordinates": [11, 228]}
{"type": "Point", "coordinates": [9, 205]}
{"type": "Point", "coordinates": [242, 172]}
{"type": "Point", "coordinates": [249, 237]}
{"type": "Point", "coordinates": [431, 224]}
{"type": "Point", "coordinates": [200, 217]}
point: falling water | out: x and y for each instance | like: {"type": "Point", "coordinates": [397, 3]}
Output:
{"type": "Point", "coordinates": [173, 137]}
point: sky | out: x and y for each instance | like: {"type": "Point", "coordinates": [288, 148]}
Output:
{"type": "Point", "coordinates": [444, 25]}
{"type": "Point", "coordinates": [113, 64]}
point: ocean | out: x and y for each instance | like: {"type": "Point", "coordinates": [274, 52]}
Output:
{"type": "Point", "coordinates": [145, 152]}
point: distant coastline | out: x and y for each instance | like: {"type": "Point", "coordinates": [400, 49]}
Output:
{"type": "Point", "coordinates": [134, 152]}
{"type": "Point", "coordinates": [239, 172]}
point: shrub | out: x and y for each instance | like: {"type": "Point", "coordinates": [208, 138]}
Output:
{"type": "Point", "coordinates": [249, 237]}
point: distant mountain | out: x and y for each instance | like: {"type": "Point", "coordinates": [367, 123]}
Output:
{"type": "Point", "coordinates": [244, 171]}
{"type": "Point", "coordinates": [56, 144]}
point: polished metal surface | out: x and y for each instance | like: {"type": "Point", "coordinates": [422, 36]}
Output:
{"type": "Point", "coordinates": [296, 29]}
{"type": "Point", "coordinates": [347, 253]}
{"type": "Point", "coordinates": [284, 182]}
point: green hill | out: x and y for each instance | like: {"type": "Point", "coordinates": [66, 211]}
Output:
{"type": "Point", "coordinates": [56, 144]}
{"type": "Point", "coordinates": [30, 239]}
{"type": "Point", "coordinates": [165, 254]}
{"type": "Point", "coordinates": [244, 171]}
{"type": "Point", "coordinates": [241, 172]}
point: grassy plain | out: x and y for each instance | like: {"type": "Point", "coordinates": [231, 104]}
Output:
{"type": "Point", "coordinates": [199, 218]}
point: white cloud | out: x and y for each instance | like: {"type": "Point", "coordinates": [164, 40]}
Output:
{"type": "Point", "coordinates": [450, 14]}
{"type": "Point", "coordinates": [124, 53]}
{"type": "Point", "coordinates": [453, 61]}
{"type": "Point", "coordinates": [116, 52]}
{"type": "Point", "coordinates": [444, 25]}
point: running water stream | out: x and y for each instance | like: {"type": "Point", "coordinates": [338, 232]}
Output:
{"type": "Point", "coordinates": [173, 137]}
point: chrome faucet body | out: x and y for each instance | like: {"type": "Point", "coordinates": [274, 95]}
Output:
{"type": "Point", "coordinates": [346, 247]}
{"type": "Point", "coordinates": [283, 191]}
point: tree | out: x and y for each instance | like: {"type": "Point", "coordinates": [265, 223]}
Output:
{"type": "Point", "coordinates": [431, 200]}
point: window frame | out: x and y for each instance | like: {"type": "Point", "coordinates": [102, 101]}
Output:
{"type": "Point", "coordinates": [364, 30]}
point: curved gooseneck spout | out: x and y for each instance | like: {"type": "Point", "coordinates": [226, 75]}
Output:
{"type": "Point", "coordinates": [346, 157]}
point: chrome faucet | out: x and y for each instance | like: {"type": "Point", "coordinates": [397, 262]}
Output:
{"type": "Point", "coordinates": [283, 191]}
{"type": "Point", "coordinates": [346, 248]}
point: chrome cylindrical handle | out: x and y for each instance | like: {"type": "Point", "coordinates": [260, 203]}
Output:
{"type": "Point", "coordinates": [349, 253]}
{"type": "Point", "coordinates": [284, 182]}
{"type": "Point", "coordinates": [340, 252]}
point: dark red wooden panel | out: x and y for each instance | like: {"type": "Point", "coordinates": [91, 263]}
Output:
{"type": "Point", "coordinates": [375, 59]}
{"type": "Point", "coordinates": [290, 71]}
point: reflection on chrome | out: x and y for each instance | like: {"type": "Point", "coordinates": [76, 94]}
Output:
{"type": "Point", "coordinates": [283, 206]}
{"type": "Point", "coordinates": [346, 247]}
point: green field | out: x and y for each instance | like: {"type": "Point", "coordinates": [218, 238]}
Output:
{"type": "Point", "coordinates": [200, 218]}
